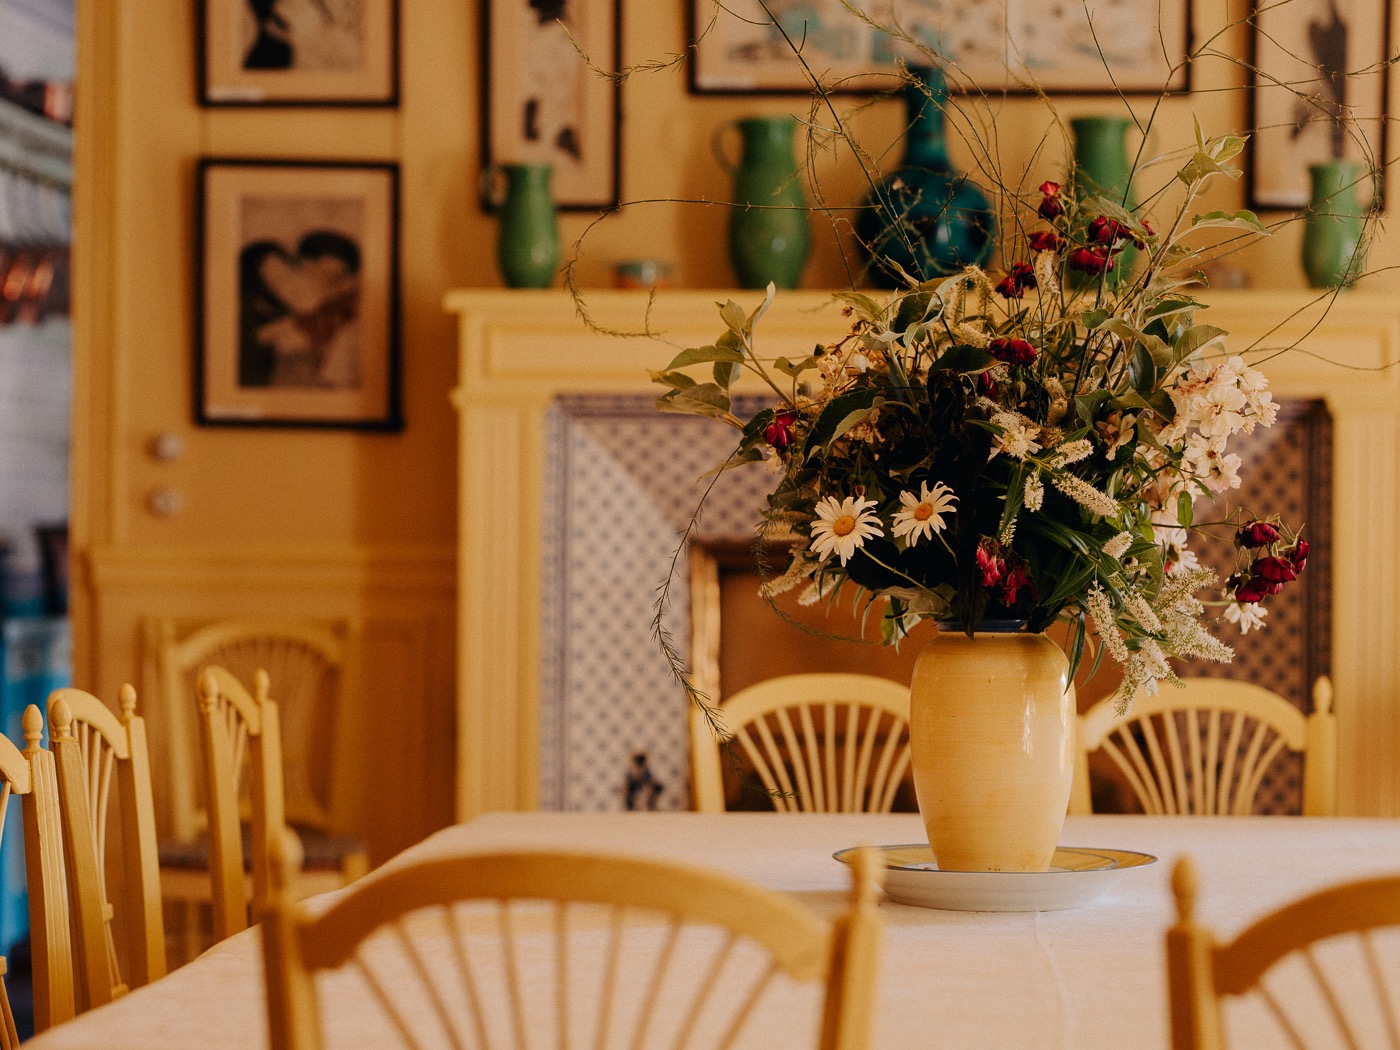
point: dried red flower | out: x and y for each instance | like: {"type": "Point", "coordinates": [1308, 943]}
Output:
{"type": "Point", "coordinates": [1274, 570]}
{"type": "Point", "coordinates": [1046, 241]}
{"type": "Point", "coordinates": [1087, 260]}
{"type": "Point", "coordinates": [1104, 230]}
{"type": "Point", "coordinates": [779, 432]}
{"type": "Point", "coordinates": [1298, 556]}
{"type": "Point", "coordinates": [1015, 283]}
{"type": "Point", "coordinates": [1051, 207]}
{"type": "Point", "coordinates": [1013, 351]}
{"type": "Point", "coordinates": [1257, 534]}
{"type": "Point", "coordinates": [1252, 590]}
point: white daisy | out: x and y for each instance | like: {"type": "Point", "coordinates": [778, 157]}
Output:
{"type": "Point", "coordinates": [922, 517]}
{"type": "Point", "coordinates": [1246, 615]}
{"type": "Point", "coordinates": [844, 525]}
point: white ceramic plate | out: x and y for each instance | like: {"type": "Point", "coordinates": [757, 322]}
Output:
{"type": "Point", "coordinates": [1076, 877]}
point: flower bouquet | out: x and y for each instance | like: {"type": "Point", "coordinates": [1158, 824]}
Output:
{"type": "Point", "coordinates": [1023, 445]}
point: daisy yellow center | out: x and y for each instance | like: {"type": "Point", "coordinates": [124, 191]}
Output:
{"type": "Point", "coordinates": [844, 525]}
{"type": "Point", "coordinates": [923, 512]}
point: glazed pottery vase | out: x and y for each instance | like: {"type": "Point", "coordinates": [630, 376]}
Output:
{"type": "Point", "coordinates": [528, 248]}
{"type": "Point", "coordinates": [925, 218]}
{"type": "Point", "coordinates": [992, 731]}
{"type": "Point", "coordinates": [1333, 253]}
{"type": "Point", "coordinates": [1102, 169]}
{"type": "Point", "coordinates": [768, 238]}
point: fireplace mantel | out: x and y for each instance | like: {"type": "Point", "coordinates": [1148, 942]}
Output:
{"type": "Point", "coordinates": [520, 349]}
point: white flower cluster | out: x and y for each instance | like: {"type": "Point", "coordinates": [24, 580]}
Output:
{"type": "Point", "coordinates": [1212, 405]}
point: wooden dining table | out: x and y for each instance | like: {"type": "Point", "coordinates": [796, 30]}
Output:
{"type": "Point", "coordinates": [1087, 977]}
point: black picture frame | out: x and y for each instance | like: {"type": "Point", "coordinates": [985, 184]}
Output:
{"type": "Point", "coordinates": [513, 34]}
{"type": "Point", "coordinates": [1277, 162]}
{"type": "Point", "coordinates": [869, 77]}
{"type": "Point", "coordinates": [296, 294]}
{"type": "Point", "coordinates": [223, 82]}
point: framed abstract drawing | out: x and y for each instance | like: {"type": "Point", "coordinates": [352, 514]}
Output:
{"type": "Point", "coordinates": [1319, 93]}
{"type": "Point", "coordinates": [296, 310]}
{"type": "Point", "coordinates": [298, 53]}
{"type": "Point", "coordinates": [546, 103]}
{"type": "Point", "coordinates": [1129, 46]}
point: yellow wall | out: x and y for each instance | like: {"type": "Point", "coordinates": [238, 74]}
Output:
{"type": "Point", "coordinates": [338, 524]}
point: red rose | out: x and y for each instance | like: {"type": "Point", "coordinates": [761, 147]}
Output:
{"type": "Point", "coordinates": [1051, 207]}
{"type": "Point", "coordinates": [1257, 534]}
{"type": "Point", "coordinates": [1274, 570]}
{"type": "Point", "coordinates": [1104, 230]}
{"type": "Point", "coordinates": [1012, 351]}
{"type": "Point", "coordinates": [779, 432]}
{"type": "Point", "coordinates": [1252, 590]}
{"type": "Point", "coordinates": [1298, 556]}
{"type": "Point", "coordinates": [1087, 260]}
{"type": "Point", "coordinates": [1046, 241]}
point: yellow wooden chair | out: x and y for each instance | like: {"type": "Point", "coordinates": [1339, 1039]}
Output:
{"type": "Point", "coordinates": [90, 743]}
{"type": "Point", "coordinates": [313, 669]}
{"type": "Point", "coordinates": [417, 908]}
{"type": "Point", "coordinates": [1205, 748]}
{"type": "Point", "coordinates": [31, 774]}
{"type": "Point", "coordinates": [821, 743]}
{"type": "Point", "coordinates": [1203, 973]}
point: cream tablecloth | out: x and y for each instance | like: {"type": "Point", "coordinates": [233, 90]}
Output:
{"type": "Point", "coordinates": [1086, 978]}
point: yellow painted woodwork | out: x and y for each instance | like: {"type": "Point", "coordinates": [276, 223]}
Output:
{"type": "Point", "coordinates": [1205, 748]}
{"type": "Point", "coordinates": [89, 744]}
{"type": "Point", "coordinates": [1204, 974]}
{"type": "Point", "coordinates": [843, 957]}
{"type": "Point", "coordinates": [520, 349]}
{"type": "Point", "coordinates": [854, 763]}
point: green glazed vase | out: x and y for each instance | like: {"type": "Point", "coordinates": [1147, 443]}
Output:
{"type": "Point", "coordinates": [528, 248]}
{"type": "Point", "coordinates": [1333, 253]}
{"type": "Point", "coordinates": [925, 218]}
{"type": "Point", "coordinates": [1102, 169]}
{"type": "Point", "coordinates": [769, 241]}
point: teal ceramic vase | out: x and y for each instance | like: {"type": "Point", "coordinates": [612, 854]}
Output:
{"type": "Point", "coordinates": [768, 237]}
{"type": "Point", "coordinates": [528, 248]}
{"type": "Point", "coordinates": [1102, 169]}
{"type": "Point", "coordinates": [1333, 253]}
{"type": "Point", "coordinates": [925, 218]}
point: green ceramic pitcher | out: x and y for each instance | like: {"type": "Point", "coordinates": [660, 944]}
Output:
{"type": "Point", "coordinates": [1333, 253]}
{"type": "Point", "coordinates": [769, 240]}
{"type": "Point", "coordinates": [528, 247]}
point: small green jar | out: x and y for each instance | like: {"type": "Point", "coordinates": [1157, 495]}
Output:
{"type": "Point", "coordinates": [528, 248]}
{"type": "Point", "coordinates": [768, 238]}
{"type": "Point", "coordinates": [1333, 252]}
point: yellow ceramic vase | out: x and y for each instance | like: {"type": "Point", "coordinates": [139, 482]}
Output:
{"type": "Point", "coordinates": [992, 725]}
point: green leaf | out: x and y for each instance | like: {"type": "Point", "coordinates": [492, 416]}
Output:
{"type": "Point", "coordinates": [1109, 209]}
{"type": "Point", "coordinates": [1173, 305]}
{"type": "Point", "coordinates": [1091, 319]}
{"type": "Point", "coordinates": [963, 359]}
{"type": "Point", "coordinates": [864, 306]}
{"type": "Point", "coordinates": [726, 372]}
{"type": "Point", "coordinates": [733, 315]}
{"type": "Point", "coordinates": [675, 380]}
{"type": "Point", "coordinates": [913, 308]}
{"type": "Point", "coordinates": [698, 355]}
{"type": "Point", "coordinates": [1088, 406]}
{"type": "Point", "coordinates": [1229, 220]}
{"type": "Point", "coordinates": [704, 399]}
{"type": "Point", "coordinates": [1202, 166]}
{"type": "Point", "coordinates": [1184, 510]}
{"type": "Point", "coordinates": [1142, 371]}
{"type": "Point", "coordinates": [762, 307]}
{"type": "Point", "coordinates": [839, 411]}
{"type": "Point", "coordinates": [1197, 337]}
{"type": "Point", "coordinates": [788, 368]}
{"type": "Point", "coordinates": [850, 420]}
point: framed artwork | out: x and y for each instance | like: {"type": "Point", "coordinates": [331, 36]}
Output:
{"type": "Point", "coordinates": [1319, 93]}
{"type": "Point", "coordinates": [296, 319]}
{"type": "Point", "coordinates": [298, 53]}
{"type": "Point", "coordinates": [988, 44]}
{"type": "Point", "coordinates": [543, 102]}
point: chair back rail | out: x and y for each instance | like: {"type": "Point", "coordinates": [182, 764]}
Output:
{"type": "Point", "coordinates": [396, 908]}
{"type": "Point", "coordinates": [1205, 748]}
{"type": "Point", "coordinates": [1204, 974]}
{"type": "Point", "coordinates": [90, 743]}
{"type": "Point", "coordinates": [240, 735]}
{"type": "Point", "coordinates": [824, 743]}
